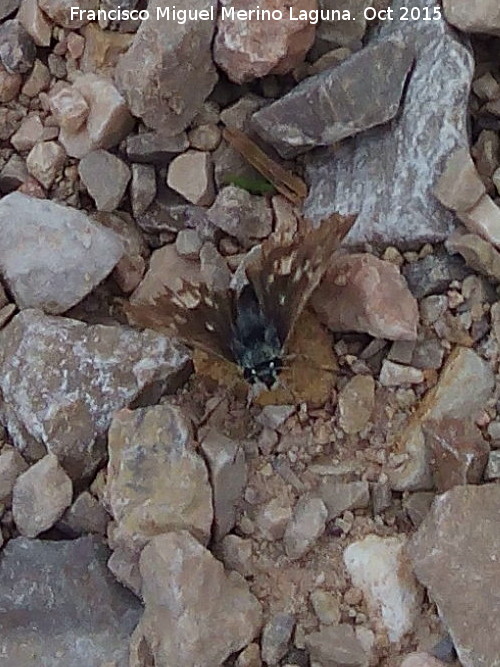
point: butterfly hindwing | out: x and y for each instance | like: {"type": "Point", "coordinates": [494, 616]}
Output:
{"type": "Point", "coordinates": [285, 276]}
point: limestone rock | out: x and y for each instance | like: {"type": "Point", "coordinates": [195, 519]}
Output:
{"type": "Point", "coordinates": [72, 574]}
{"type": "Point", "coordinates": [83, 374]}
{"type": "Point", "coordinates": [355, 403]}
{"type": "Point", "coordinates": [106, 178]}
{"type": "Point", "coordinates": [460, 187]}
{"type": "Point", "coordinates": [35, 22]}
{"type": "Point", "coordinates": [180, 74]}
{"type": "Point", "coordinates": [478, 16]}
{"type": "Point", "coordinates": [185, 589]}
{"type": "Point", "coordinates": [305, 527]}
{"type": "Point", "coordinates": [336, 104]}
{"type": "Point", "coordinates": [17, 48]}
{"type": "Point", "coordinates": [45, 162]}
{"type": "Point", "coordinates": [40, 496]}
{"type": "Point", "coordinates": [395, 204]}
{"type": "Point", "coordinates": [478, 254]}
{"type": "Point", "coordinates": [336, 645]}
{"type": "Point", "coordinates": [60, 11]}
{"type": "Point", "coordinates": [250, 49]}
{"type": "Point", "coordinates": [454, 547]}
{"type": "Point", "coordinates": [380, 568]}
{"type": "Point", "coordinates": [191, 175]}
{"type": "Point", "coordinates": [228, 476]}
{"type": "Point", "coordinates": [37, 276]}
{"type": "Point", "coordinates": [363, 293]}
{"type": "Point", "coordinates": [156, 481]}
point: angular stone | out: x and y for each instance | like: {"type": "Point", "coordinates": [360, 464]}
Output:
{"type": "Point", "coordinates": [458, 452]}
{"type": "Point", "coordinates": [156, 480]}
{"type": "Point", "coordinates": [13, 175]}
{"type": "Point", "coordinates": [191, 175]}
{"type": "Point", "coordinates": [305, 527]}
{"type": "Point", "coordinates": [45, 162]}
{"type": "Point", "coordinates": [228, 476]}
{"type": "Point", "coordinates": [106, 178]}
{"type": "Point", "coordinates": [142, 187]}
{"type": "Point", "coordinates": [456, 543]}
{"type": "Point", "coordinates": [69, 107]}
{"type": "Point", "coordinates": [86, 515]}
{"type": "Point", "coordinates": [484, 219]}
{"type": "Point", "coordinates": [40, 496]}
{"type": "Point", "coordinates": [37, 81]}
{"type": "Point", "coordinates": [412, 147]}
{"type": "Point", "coordinates": [492, 471]}
{"type": "Point", "coordinates": [103, 48]}
{"type": "Point", "coordinates": [35, 22]}
{"type": "Point", "coordinates": [83, 374]}
{"type": "Point", "coordinates": [8, 7]}
{"type": "Point", "coordinates": [155, 147]}
{"type": "Point", "coordinates": [363, 293]}
{"type": "Point", "coordinates": [276, 637]}
{"type": "Point", "coordinates": [393, 375]}
{"type": "Point", "coordinates": [29, 133]}
{"type": "Point", "coordinates": [355, 403]}
{"type": "Point", "coordinates": [188, 243]}
{"type": "Point", "coordinates": [273, 517]}
{"type": "Point", "coordinates": [184, 589]}
{"type": "Point", "coordinates": [250, 49]}
{"type": "Point", "coordinates": [479, 254]}
{"type": "Point", "coordinates": [336, 646]}
{"type": "Point", "coordinates": [477, 16]}
{"type": "Point", "coordinates": [17, 48]}
{"type": "Point", "coordinates": [459, 187]}
{"type": "Point", "coordinates": [72, 574]}
{"type": "Point", "coordinates": [10, 84]}
{"type": "Point", "coordinates": [60, 11]}
{"type": "Point", "coordinates": [450, 397]}
{"type": "Point", "coordinates": [108, 120]}
{"type": "Point", "coordinates": [433, 274]}
{"type": "Point", "coordinates": [12, 465]}
{"type": "Point", "coordinates": [37, 276]}
{"type": "Point", "coordinates": [380, 567]}
{"type": "Point", "coordinates": [339, 497]}
{"type": "Point", "coordinates": [336, 104]}
{"type": "Point", "coordinates": [180, 74]}
{"type": "Point", "coordinates": [245, 216]}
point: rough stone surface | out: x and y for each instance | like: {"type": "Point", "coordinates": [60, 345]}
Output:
{"type": "Point", "coordinates": [478, 254]}
{"type": "Point", "coordinates": [40, 496]}
{"type": "Point", "coordinates": [249, 49]}
{"type": "Point", "coordinates": [355, 403]}
{"type": "Point", "coordinates": [242, 215]}
{"type": "Point", "coordinates": [29, 133]}
{"type": "Point", "coordinates": [156, 481]}
{"type": "Point", "coordinates": [362, 92]}
{"type": "Point", "coordinates": [380, 568]}
{"type": "Point", "coordinates": [142, 187]}
{"type": "Point", "coordinates": [393, 375]}
{"type": "Point", "coordinates": [305, 527]}
{"type": "Point", "coordinates": [450, 397]}
{"type": "Point", "coordinates": [458, 452]}
{"type": "Point", "coordinates": [12, 465]}
{"type": "Point", "coordinates": [106, 178]}
{"type": "Point", "coordinates": [433, 274]}
{"type": "Point", "coordinates": [155, 147]}
{"type": "Point", "coordinates": [185, 589]}
{"type": "Point", "coordinates": [108, 120]}
{"type": "Point", "coordinates": [35, 22]}
{"type": "Point", "coordinates": [45, 162]}
{"type": "Point", "coordinates": [61, 605]}
{"type": "Point", "coordinates": [460, 187]}
{"type": "Point", "coordinates": [397, 206]}
{"type": "Point", "coordinates": [484, 219]}
{"type": "Point", "coordinates": [17, 48]}
{"type": "Point", "coordinates": [454, 551]}
{"type": "Point", "coordinates": [276, 636]}
{"type": "Point", "coordinates": [8, 7]}
{"type": "Point", "coordinates": [336, 646]}
{"type": "Point", "coordinates": [363, 293]}
{"type": "Point", "coordinates": [191, 175]}
{"type": "Point", "coordinates": [180, 74]}
{"type": "Point", "coordinates": [477, 16]}
{"type": "Point", "coordinates": [69, 107]}
{"type": "Point", "coordinates": [339, 497]}
{"type": "Point", "coordinates": [228, 476]}
{"type": "Point", "coordinates": [37, 276]}
{"type": "Point", "coordinates": [86, 515]}
{"type": "Point", "coordinates": [83, 374]}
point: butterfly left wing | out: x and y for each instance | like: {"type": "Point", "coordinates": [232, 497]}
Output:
{"type": "Point", "coordinates": [193, 314]}
{"type": "Point", "coordinates": [285, 276]}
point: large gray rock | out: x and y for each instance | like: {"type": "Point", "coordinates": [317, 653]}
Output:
{"type": "Point", "coordinates": [168, 71]}
{"type": "Point", "coordinates": [387, 174]}
{"type": "Point", "coordinates": [59, 605]}
{"type": "Point", "coordinates": [61, 380]}
{"type": "Point", "coordinates": [362, 92]}
{"type": "Point", "coordinates": [51, 256]}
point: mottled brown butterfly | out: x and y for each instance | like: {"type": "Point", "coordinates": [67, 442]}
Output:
{"type": "Point", "coordinates": [251, 326]}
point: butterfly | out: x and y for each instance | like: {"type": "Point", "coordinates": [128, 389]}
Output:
{"type": "Point", "coordinates": [251, 326]}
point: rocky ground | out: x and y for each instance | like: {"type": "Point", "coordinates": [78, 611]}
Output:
{"type": "Point", "coordinates": [149, 516]}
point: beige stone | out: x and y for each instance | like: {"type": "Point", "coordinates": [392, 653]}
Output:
{"type": "Point", "coordinates": [35, 22]}
{"type": "Point", "coordinates": [459, 187]}
{"type": "Point", "coordinates": [191, 175]}
{"type": "Point", "coordinates": [484, 219]}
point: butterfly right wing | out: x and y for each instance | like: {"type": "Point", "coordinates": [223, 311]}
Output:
{"type": "Point", "coordinates": [193, 314]}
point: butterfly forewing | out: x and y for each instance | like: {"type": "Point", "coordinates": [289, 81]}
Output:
{"type": "Point", "coordinates": [285, 277]}
{"type": "Point", "coordinates": [194, 314]}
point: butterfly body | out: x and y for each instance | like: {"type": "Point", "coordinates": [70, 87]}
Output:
{"type": "Point", "coordinates": [250, 327]}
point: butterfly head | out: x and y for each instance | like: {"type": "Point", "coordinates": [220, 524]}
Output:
{"type": "Point", "coordinates": [266, 372]}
